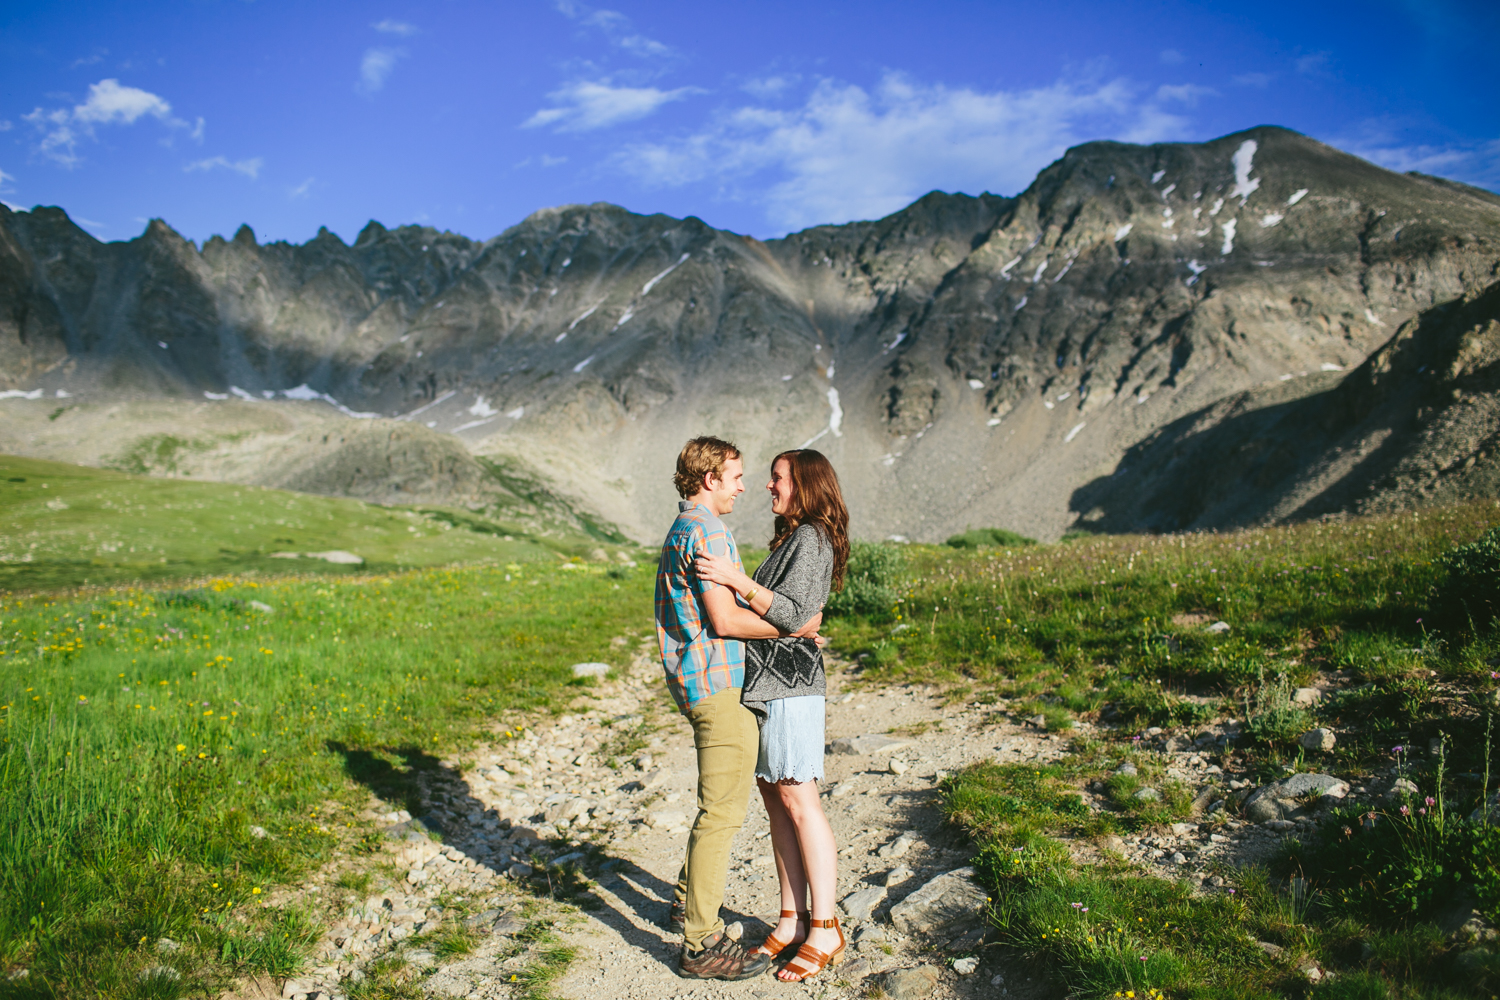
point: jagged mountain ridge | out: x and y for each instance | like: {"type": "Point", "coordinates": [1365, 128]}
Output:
{"type": "Point", "coordinates": [968, 360]}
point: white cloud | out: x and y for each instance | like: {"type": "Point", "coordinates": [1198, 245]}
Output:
{"type": "Point", "coordinates": [92, 225]}
{"type": "Point", "coordinates": [376, 67]}
{"type": "Point", "coordinates": [4, 179]}
{"type": "Point", "coordinates": [302, 190]}
{"type": "Point", "coordinates": [851, 154]}
{"type": "Point", "coordinates": [390, 26]}
{"type": "Point", "coordinates": [97, 57]}
{"type": "Point", "coordinates": [1316, 62]}
{"type": "Point", "coordinates": [5, 125]}
{"type": "Point", "coordinates": [767, 87]}
{"type": "Point", "coordinates": [1184, 93]}
{"type": "Point", "coordinates": [1381, 141]}
{"type": "Point", "coordinates": [587, 105]}
{"type": "Point", "coordinates": [616, 28]}
{"type": "Point", "coordinates": [1172, 57]}
{"type": "Point", "coordinates": [1253, 79]}
{"type": "Point", "coordinates": [250, 168]}
{"type": "Point", "coordinates": [108, 104]}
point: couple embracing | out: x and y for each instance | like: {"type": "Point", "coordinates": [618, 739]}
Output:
{"type": "Point", "coordinates": [743, 660]}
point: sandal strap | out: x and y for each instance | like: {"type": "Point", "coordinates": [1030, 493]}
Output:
{"type": "Point", "coordinates": [807, 953]}
{"type": "Point", "coordinates": [830, 922]}
{"type": "Point", "coordinates": [799, 914]}
{"type": "Point", "coordinates": [774, 946]}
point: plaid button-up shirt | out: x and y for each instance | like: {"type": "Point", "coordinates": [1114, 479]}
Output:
{"type": "Point", "coordinates": [697, 662]}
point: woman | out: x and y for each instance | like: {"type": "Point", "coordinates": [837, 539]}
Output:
{"type": "Point", "coordinates": [785, 688]}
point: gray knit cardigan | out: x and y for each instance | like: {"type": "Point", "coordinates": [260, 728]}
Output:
{"type": "Point", "coordinates": [800, 573]}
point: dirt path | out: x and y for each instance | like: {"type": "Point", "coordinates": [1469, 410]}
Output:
{"type": "Point", "coordinates": [543, 844]}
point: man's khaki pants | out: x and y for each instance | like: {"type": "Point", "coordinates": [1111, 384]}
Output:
{"type": "Point", "coordinates": [727, 740]}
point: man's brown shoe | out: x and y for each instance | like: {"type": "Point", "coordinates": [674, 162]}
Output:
{"type": "Point", "coordinates": [722, 957]}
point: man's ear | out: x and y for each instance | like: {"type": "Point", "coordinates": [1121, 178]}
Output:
{"type": "Point", "coordinates": [712, 481]}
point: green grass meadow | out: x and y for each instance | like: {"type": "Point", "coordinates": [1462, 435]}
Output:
{"type": "Point", "coordinates": [157, 706]}
{"type": "Point", "coordinates": [1116, 627]}
{"type": "Point", "coordinates": [67, 525]}
{"type": "Point", "coordinates": [145, 732]}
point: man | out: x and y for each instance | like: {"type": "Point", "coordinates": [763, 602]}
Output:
{"type": "Point", "coordinates": [699, 626]}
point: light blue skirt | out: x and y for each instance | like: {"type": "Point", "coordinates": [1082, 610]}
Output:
{"type": "Point", "coordinates": [791, 741]}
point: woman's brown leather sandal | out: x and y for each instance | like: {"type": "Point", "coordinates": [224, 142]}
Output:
{"type": "Point", "coordinates": [773, 945]}
{"type": "Point", "coordinates": [810, 961]}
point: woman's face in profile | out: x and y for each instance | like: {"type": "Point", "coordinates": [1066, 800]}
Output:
{"type": "Point", "coordinates": [780, 487]}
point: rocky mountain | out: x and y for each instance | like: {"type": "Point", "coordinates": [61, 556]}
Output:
{"type": "Point", "coordinates": [1147, 337]}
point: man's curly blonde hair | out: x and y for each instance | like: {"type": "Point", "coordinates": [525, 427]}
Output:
{"type": "Point", "coordinates": [702, 456]}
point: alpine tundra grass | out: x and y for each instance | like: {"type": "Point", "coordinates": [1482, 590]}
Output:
{"type": "Point", "coordinates": [1117, 628]}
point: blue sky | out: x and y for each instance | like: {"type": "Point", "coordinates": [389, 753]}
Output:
{"type": "Point", "coordinates": [757, 117]}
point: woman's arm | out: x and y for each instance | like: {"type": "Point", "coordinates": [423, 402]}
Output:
{"type": "Point", "coordinates": [720, 570]}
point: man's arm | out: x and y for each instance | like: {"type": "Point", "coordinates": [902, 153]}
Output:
{"type": "Point", "coordinates": [731, 621]}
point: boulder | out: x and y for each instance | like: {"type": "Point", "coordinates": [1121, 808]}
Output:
{"type": "Point", "coordinates": [942, 903]}
{"type": "Point", "coordinates": [1281, 799]}
{"type": "Point", "coordinates": [911, 984]}
{"type": "Point", "coordinates": [1488, 813]}
{"type": "Point", "coordinates": [1317, 739]}
{"type": "Point", "coordinates": [868, 743]}
{"type": "Point", "coordinates": [861, 904]}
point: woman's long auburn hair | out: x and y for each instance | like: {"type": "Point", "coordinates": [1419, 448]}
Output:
{"type": "Point", "coordinates": [816, 500]}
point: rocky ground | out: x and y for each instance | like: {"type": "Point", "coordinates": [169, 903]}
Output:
{"type": "Point", "coordinates": [536, 842]}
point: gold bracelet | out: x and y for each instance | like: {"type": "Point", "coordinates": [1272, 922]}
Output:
{"type": "Point", "coordinates": [750, 594]}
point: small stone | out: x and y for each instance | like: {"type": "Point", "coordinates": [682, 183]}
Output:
{"type": "Point", "coordinates": [520, 870]}
{"type": "Point", "coordinates": [1306, 696]}
{"type": "Point", "coordinates": [1317, 739]}
{"type": "Point", "coordinates": [898, 766]}
{"type": "Point", "coordinates": [590, 669]}
{"type": "Point", "coordinates": [966, 966]}
{"type": "Point", "coordinates": [1147, 794]}
{"type": "Point", "coordinates": [1179, 858]}
{"type": "Point", "coordinates": [898, 847]}
{"type": "Point", "coordinates": [998, 979]}
{"type": "Point", "coordinates": [665, 819]}
{"type": "Point", "coordinates": [911, 984]}
{"type": "Point", "coordinates": [1270, 949]}
{"type": "Point", "coordinates": [898, 875]}
{"type": "Point", "coordinates": [861, 904]}
{"type": "Point", "coordinates": [1126, 768]}
{"type": "Point", "coordinates": [1312, 972]}
{"type": "Point", "coordinates": [167, 945]}
{"type": "Point", "coordinates": [291, 988]}
{"type": "Point", "coordinates": [735, 930]}
{"type": "Point", "coordinates": [1219, 627]}
{"type": "Point", "coordinates": [262, 607]}
{"type": "Point", "coordinates": [868, 743]}
{"type": "Point", "coordinates": [417, 876]}
{"type": "Point", "coordinates": [1402, 788]}
{"type": "Point", "coordinates": [258, 832]}
{"type": "Point", "coordinates": [1037, 721]}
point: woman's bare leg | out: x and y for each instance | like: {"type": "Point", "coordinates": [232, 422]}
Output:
{"type": "Point", "coordinates": [789, 868]}
{"type": "Point", "coordinates": [819, 856]}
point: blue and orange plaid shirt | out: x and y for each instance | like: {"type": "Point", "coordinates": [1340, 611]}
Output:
{"type": "Point", "coordinates": [698, 662]}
